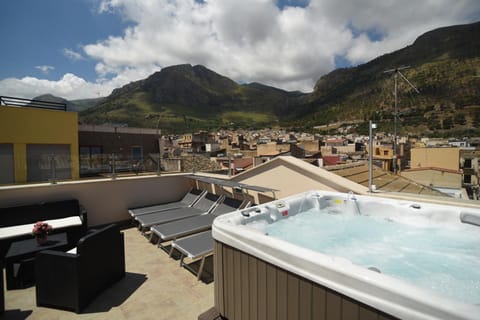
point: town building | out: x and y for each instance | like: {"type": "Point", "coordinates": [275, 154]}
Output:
{"type": "Point", "coordinates": [38, 142]}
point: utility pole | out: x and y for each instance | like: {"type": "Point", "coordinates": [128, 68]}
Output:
{"type": "Point", "coordinates": [396, 72]}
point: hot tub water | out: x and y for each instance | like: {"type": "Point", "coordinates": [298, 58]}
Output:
{"type": "Point", "coordinates": [442, 259]}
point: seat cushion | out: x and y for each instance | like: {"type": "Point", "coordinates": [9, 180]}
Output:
{"type": "Point", "coordinates": [25, 229]}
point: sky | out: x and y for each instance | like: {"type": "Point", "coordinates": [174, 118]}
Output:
{"type": "Point", "coordinates": [80, 49]}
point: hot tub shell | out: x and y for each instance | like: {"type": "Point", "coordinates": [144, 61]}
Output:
{"type": "Point", "coordinates": [261, 277]}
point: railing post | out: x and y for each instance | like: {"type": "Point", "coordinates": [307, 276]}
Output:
{"type": "Point", "coordinates": [53, 179]}
{"type": "Point", "coordinates": [193, 162]}
{"type": "Point", "coordinates": [114, 174]}
{"type": "Point", "coordinates": [159, 168]}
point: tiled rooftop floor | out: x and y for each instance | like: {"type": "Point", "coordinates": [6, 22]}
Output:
{"type": "Point", "coordinates": [155, 287]}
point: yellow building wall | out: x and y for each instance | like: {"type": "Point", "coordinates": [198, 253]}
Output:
{"type": "Point", "coordinates": [446, 158]}
{"type": "Point", "coordinates": [22, 125]}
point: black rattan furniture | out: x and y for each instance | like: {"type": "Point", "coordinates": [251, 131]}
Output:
{"type": "Point", "coordinates": [16, 222]}
{"type": "Point", "coordinates": [20, 258]}
{"type": "Point", "coordinates": [72, 280]}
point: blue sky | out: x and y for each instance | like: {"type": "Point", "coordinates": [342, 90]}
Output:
{"type": "Point", "coordinates": [38, 33]}
{"type": "Point", "coordinates": [86, 48]}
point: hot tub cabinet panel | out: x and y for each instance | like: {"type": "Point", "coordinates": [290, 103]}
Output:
{"type": "Point", "coordinates": [259, 276]}
{"type": "Point", "coordinates": [249, 288]}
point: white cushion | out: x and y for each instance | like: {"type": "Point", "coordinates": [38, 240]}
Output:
{"type": "Point", "coordinates": [24, 229]}
{"type": "Point", "coordinates": [72, 251]}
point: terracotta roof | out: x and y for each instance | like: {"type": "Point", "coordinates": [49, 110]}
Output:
{"type": "Point", "coordinates": [243, 163]}
{"type": "Point", "coordinates": [383, 180]}
{"type": "Point", "coordinates": [330, 160]}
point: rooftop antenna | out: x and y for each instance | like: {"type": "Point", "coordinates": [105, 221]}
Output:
{"type": "Point", "coordinates": [396, 72]}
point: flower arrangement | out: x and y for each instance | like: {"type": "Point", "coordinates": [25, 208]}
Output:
{"type": "Point", "coordinates": [41, 229]}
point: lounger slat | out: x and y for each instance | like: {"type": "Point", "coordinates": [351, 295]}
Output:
{"type": "Point", "coordinates": [202, 206]}
{"type": "Point", "coordinates": [188, 200]}
{"type": "Point", "coordinates": [195, 246]}
{"type": "Point", "coordinates": [184, 227]}
{"type": "Point", "coordinates": [180, 228]}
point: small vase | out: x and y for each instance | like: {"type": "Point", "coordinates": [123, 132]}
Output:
{"type": "Point", "coordinates": [41, 240]}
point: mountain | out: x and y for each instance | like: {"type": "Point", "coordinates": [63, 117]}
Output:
{"type": "Point", "coordinates": [72, 105]}
{"type": "Point", "coordinates": [444, 64]}
{"type": "Point", "coordinates": [189, 97]}
{"type": "Point", "coordinates": [84, 104]}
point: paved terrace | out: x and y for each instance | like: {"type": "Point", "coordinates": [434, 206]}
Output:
{"type": "Point", "coordinates": [155, 287]}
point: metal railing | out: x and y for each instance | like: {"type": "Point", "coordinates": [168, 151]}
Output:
{"type": "Point", "coordinates": [20, 102]}
{"type": "Point", "coordinates": [54, 168]}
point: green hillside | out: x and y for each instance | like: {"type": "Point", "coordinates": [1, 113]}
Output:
{"type": "Point", "coordinates": [187, 97]}
{"type": "Point", "coordinates": [444, 66]}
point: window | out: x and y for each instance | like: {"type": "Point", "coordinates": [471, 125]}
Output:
{"type": "Point", "coordinates": [467, 163]}
{"type": "Point", "coordinates": [92, 160]}
{"type": "Point", "coordinates": [46, 160]}
{"type": "Point", "coordinates": [385, 152]}
{"type": "Point", "coordinates": [467, 179]}
{"type": "Point", "coordinates": [137, 153]}
{"type": "Point", "coordinates": [7, 167]}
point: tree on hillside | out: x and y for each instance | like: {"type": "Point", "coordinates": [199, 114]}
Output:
{"type": "Point", "coordinates": [476, 118]}
{"type": "Point", "coordinates": [459, 118]}
{"type": "Point", "coordinates": [447, 123]}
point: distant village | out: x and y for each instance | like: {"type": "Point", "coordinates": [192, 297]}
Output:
{"type": "Point", "coordinates": [448, 165]}
{"type": "Point", "coordinates": [44, 143]}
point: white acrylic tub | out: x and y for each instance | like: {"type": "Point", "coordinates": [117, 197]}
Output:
{"type": "Point", "coordinates": [379, 291]}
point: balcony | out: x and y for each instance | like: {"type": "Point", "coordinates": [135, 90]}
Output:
{"type": "Point", "coordinates": [155, 286]}
{"type": "Point", "coordinates": [19, 102]}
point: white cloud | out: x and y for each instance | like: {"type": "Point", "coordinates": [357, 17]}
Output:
{"type": "Point", "coordinates": [72, 55]}
{"type": "Point", "coordinates": [252, 40]}
{"type": "Point", "coordinates": [45, 69]}
{"type": "Point", "coordinates": [69, 87]}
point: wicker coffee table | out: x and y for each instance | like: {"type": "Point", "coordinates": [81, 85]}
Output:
{"type": "Point", "coordinates": [19, 260]}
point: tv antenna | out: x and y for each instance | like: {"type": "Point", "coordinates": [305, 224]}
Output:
{"type": "Point", "coordinates": [396, 72]}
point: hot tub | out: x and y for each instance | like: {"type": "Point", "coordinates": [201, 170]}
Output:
{"type": "Point", "coordinates": [374, 258]}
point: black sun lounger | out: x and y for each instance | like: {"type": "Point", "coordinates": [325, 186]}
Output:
{"type": "Point", "coordinates": [202, 206]}
{"type": "Point", "coordinates": [187, 201]}
{"type": "Point", "coordinates": [184, 227]}
{"type": "Point", "coordinates": [197, 246]}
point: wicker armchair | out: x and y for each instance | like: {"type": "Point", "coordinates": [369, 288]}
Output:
{"type": "Point", "coordinates": [72, 280]}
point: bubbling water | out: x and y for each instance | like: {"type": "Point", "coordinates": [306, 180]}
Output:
{"type": "Point", "coordinates": [442, 259]}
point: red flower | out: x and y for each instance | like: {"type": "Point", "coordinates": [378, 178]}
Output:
{"type": "Point", "coordinates": [41, 228]}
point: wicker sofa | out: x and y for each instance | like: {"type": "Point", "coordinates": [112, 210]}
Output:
{"type": "Point", "coordinates": [16, 222]}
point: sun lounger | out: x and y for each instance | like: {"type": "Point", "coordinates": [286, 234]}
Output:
{"type": "Point", "coordinates": [185, 227]}
{"type": "Point", "coordinates": [187, 201]}
{"type": "Point", "coordinates": [202, 206]}
{"type": "Point", "coordinates": [197, 246]}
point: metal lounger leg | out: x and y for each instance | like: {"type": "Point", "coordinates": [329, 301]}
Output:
{"type": "Point", "coordinates": [171, 251]}
{"type": "Point", "coordinates": [200, 270]}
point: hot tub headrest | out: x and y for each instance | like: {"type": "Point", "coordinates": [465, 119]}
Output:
{"type": "Point", "coordinates": [471, 218]}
